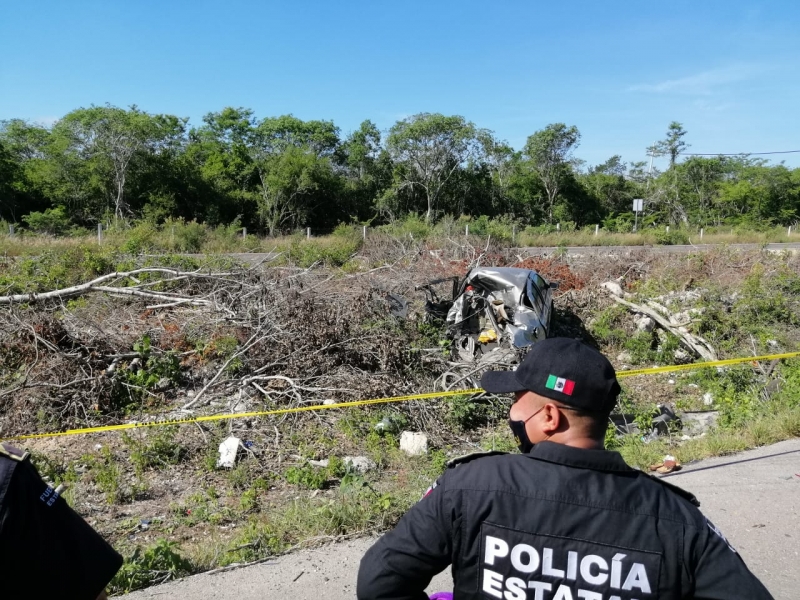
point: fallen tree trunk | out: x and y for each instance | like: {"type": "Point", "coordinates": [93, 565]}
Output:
{"type": "Point", "coordinates": [698, 346]}
{"type": "Point", "coordinates": [96, 285]}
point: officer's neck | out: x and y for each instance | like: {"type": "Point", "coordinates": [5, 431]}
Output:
{"type": "Point", "coordinates": [576, 441]}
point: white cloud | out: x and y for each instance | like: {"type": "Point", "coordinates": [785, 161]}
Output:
{"type": "Point", "coordinates": [700, 84]}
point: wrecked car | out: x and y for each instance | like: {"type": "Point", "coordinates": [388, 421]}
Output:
{"type": "Point", "coordinates": [494, 307]}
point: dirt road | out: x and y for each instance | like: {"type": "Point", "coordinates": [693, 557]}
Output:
{"type": "Point", "coordinates": [753, 497]}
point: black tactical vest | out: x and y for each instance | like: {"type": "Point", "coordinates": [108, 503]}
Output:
{"type": "Point", "coordinates": [9, 457]}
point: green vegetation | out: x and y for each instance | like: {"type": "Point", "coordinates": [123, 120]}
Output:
{"type": "Point", "coordinates": [274, 499]}
{"type": "Point", "coordinates": [154, 448]}
{"type": "Point", "coordinates": [185, 189]}
{"type": "Point", "coordinates": [156, 564]}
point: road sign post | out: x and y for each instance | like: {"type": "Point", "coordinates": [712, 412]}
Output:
{"type": "Point", "coordinates": [638, 206]}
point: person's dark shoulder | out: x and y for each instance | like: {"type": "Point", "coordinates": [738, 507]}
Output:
{"type": "Point", "coordinates": [674, 501]}
{"type": "Point", "coordinates": [478, 468]}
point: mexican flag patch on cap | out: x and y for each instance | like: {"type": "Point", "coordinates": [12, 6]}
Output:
{"type": "Point", "coordinates": [560, 384]}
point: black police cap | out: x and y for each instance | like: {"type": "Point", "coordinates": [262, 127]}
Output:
{"type": "Point", "coordinates": [564, 370]}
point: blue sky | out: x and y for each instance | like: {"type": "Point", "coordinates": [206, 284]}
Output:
{"type": "Point", "coordinates": [620, 71]}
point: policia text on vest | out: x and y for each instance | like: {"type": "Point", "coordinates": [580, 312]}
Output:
{"type": "Point", "coordinates": [519, 566]}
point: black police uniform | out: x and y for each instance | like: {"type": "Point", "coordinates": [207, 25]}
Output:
{"type": "Point", "coordinates": [558, 523]}
{"type": "Point", "coordinates": [46, 549]}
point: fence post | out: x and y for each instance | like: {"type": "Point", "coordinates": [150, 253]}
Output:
{"type": "Point", "coordinates": [596, 229]}
{"type": "Point", "coordinates": [701, 233]}
{"type": "Point", "coordinates": [466, 229]}
{"type": "Point", "coordinates": [790, 230]}
{"type": "Point", "coordinates": [667, 228]}
{"type": "Point", "coordinates": [99, 233]}
{"type": "Point", "coordinates": [558, 226]}
{"type": "Point", "coordinates": [364, 233]}
{"type": "Point", "coordinates": [308, 233]}
{"type": "Point", "coordinates": [11, 230]}
{"type": "Point", "coordinates": [513, 234]}
{"type": "Point", "coordinates": [244, 233]}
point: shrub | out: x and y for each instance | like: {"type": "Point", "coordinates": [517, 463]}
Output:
{"type": "Point", "coordinates": [53, 221]}
{"type": "Point", "coordinates": [334, 251]}
{"type": "Point", "coordinates": [157, 564]}
{"type": "Point", "coordinates": [671, 238]}
{"type": "Point", "coordinates": [156, 448]}
{"type": "Point", "coordinates": [307, 476]}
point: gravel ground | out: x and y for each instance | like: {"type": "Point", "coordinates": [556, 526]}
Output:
{"type": "Point", "coordinates": [753, 497]}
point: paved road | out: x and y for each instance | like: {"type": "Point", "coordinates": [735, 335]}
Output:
{"type": "Point", "coordinates": [753, 497]}
{"type": "Point", "coordinates": [577, 251]}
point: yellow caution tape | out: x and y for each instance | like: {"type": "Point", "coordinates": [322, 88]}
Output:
{"type": "Point", "coordinates": [356, 403]}
{"type": "Point", "coordinates": [244, 415]}
{"type": "Point", "coordinates": [703, 365]}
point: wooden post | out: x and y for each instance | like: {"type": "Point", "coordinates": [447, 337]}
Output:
{"type": "Point", "coordinates": [308, 233]}
{"type": "Point", "coordinates": [99, 233]}
{"type": "Point", "coordinates": [364, 233]}
{"type": "Point", "coordinates": [596, 229]}
{"type": "Point", "coordinates": [701, 233]}
{"type": "Point", "coordinates": [244, 233]}
{"type": "Point", "coordinates": [466, 229]}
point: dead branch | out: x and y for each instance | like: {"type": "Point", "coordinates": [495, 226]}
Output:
{"type": "Point", "coordinates": [95, 285]}
{"type": "Point", "coordinates": [695, 344]}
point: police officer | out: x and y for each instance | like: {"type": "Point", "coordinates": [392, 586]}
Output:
{"type": "Point", "coordinates": [563, 520]}
{"type": "Point", "coordinates": [46, 549]}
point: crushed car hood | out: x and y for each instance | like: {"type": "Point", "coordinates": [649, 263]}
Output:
{"type": "Point", "coordinates": [520, 301]}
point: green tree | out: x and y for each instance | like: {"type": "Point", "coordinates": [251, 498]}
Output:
{"type": "Point", "coordinates": [219, 151]}
{"type": "Point", "coordinates": [292, 160]}
{"type": "Point", "coordinates": [672, 145]}
{"type": "Point", "coordinates": [609, 187]}
{"type": "Point", "coordinates": [428, 151]}
{"type": "Point", "coordinates": [24, 168]}
{"type": "Point", "coordinates": [368, 168]}
{"type": "Point", "coordinates": [113, 137]}
{"type": "Point", "coordinates": [549, 154]}
{"type": "Point", "coordinates": [665, 191]}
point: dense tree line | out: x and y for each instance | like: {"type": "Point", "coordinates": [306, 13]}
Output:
{"type": "Point", "coordinates": [277, 174]}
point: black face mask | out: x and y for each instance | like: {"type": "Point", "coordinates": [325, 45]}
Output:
{"type": "Point", "coordinates": [520, 435]}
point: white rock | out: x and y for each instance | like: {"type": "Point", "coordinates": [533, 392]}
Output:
{"type": "Point", "coordinates": [613, 287]}
{"type": "Point", "coordinates": [645, 324]}
{"type": "Point", "coordinates": [414, 443]}
{"type": "Point", "coordinates": [359, 464]}
{"type": "Point", "coordinates": [671, 381]}
{"type": "Point", "coordinates": [772, 343]}
{"type": "Point", "coordinates": [227, 452]}
{"type": "Point", "coordinates": [322, 464]}
{"type": "Point", "coordinates": [328, 402]}
{"type": "Point", "coordinates": [708, 399]}
{"type": "Point", "coordinates": [681, 354]}
{"type": "Point", "coordinates": [624, 357]}
{"type": "Point", "coordinates": [697, 423]}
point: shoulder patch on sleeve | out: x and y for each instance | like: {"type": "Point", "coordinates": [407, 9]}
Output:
{"type": "Point", "coordinates": [460, 460]}
{"type": "Point", "coordinates": [675, 489]}
{"type": "Point", "coordinates": [13, 453]}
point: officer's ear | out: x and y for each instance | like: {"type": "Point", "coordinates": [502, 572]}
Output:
{"type": "Point", "coordinates": [552, 418]}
